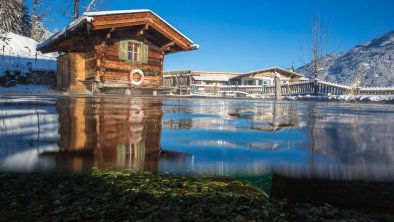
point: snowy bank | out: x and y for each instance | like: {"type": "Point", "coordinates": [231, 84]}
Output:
{"type": "Point", "coordinates": [29, 88]}
{"type": "Point", "coordinates": [18, 53]}
{"type": "Point", "coordinates": [345, 98]}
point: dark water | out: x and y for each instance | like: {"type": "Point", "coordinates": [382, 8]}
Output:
{"type": "Point", "coordinates": [203, 136]}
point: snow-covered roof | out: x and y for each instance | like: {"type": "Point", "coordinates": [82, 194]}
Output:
{"type": "Point", "coordinates": [274, 68]}
{"type": "Point", "coordinates": [89, 17]}
{"type": "Point", "coordinates": [212, 78]}
{"type": "Point", "coordinates": [269, 69]}
{"type": "Point", "coordinates": [66, 30]}
{"type": "Point", "coordinates": [214, 73]}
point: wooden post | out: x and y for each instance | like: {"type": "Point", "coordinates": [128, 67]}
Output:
{"type": "Point", "coordinates": [316, 87]}
{"type": "Point", "coordinates": [288, 89]}
{"type": "Point", "coordinates": [276, 112]}
{"type": "Point", "coordinates": [358, 90]}
{"type": "Point", "coordinates": [277, 87]}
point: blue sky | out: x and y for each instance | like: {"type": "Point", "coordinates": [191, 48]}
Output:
{"type": "Point", "coordinates": [239, 36]}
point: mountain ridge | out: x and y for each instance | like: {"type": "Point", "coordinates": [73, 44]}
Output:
{"type": "Point", "coordinates": [370, 63]}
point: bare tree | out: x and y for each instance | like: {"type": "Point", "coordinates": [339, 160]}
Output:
{"type": "Point", "coordinates": [91, 4]}
{"type": "Point", "coordinates": [76, 9]}
{"type": "Point", "coordinates": [318, 44]}
{"type": "Point", "coordinates": [84, 5]}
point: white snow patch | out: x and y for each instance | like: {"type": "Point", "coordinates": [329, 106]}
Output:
{"type": "Point", "coordinates": [388, 41]}
{"type": "Point", "coordinates": [347, 98]}
{"type": "Point", "coordinates": [29, 88]}
{"type": "Point", "coordinates": [366, 65]}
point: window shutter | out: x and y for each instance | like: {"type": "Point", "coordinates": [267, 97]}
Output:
{"type": "Point", "coordinates": [144, 53]}
{"type": "Point", "coordinates": [123, 50]}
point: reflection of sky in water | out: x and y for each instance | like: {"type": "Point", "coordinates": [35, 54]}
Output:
{"type": "Point", "coordinates": [225, 145]}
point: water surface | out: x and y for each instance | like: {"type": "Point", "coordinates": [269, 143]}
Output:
{"type": "Point", "coordinates": [347, 141]}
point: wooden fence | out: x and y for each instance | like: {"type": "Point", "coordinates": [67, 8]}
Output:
{"type": "Point", "coordinates": [178, 79]}
{"type": "Point", "coordinates": [315, 87]}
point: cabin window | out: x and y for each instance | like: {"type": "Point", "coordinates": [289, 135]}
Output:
{"type": "Point", "coordinates": [133, 51]}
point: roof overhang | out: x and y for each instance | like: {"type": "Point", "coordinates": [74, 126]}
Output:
{"type": "Point", "coordinates": [96, 21]}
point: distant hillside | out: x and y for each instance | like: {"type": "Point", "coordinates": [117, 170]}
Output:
{"type": "Point", "coordinates": [372, 63]}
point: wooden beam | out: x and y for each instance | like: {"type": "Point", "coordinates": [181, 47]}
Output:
{"type": "Point", "coordinates": [167, 46]}
{"type": "Point", "coordinates": [169, 33]}
{"type": "Point", "coordinates": [143, 29]}
{"type": "Point", "coordinates": [147, 19]}
{"type": "Point", "coordinates": [112, 30]}
{"type": "Point", "coordinates": [117, 25]}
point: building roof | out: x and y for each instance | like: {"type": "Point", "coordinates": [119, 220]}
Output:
{"type": "Point", "coordinates": [215, 73]}
{"type": "Point", "coordinates": [89, 18]}
{"type": "Point", "coordinates": [291, 73]}
{"type": "Point", "coordinates": [275, 68]}
{"type": "Point", "coordinates": [212, 78]}
{"type": "Point", "coordinates": [118, 12]}
{"type": "Point", "coordinates": [227, 76]}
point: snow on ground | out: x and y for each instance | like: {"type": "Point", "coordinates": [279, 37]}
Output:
{"type": "Point", "coordinates": [346, 98]}
{"type": "Point", "coordinates": [28, 88]}
{"type": "Point", "coordinates": [18, 53]}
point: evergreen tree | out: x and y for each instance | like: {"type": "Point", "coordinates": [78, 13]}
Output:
{"type": "Point", "coordinates": [14, 17]}
{"type": "Point", "coordinates": [26, 23]}
{"type": "Point", "coordinates": [10, 15]}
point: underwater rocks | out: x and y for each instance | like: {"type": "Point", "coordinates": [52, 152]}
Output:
{"type": "Point", "coordinates": [124, 196]}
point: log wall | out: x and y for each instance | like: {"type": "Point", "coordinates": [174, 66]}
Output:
{"type": "Point", "coordinates": [63, 70]}
{"type": "Point", "coordinates": [77, 72]}
{"type": "Point", "coordinates": [71, 72]}
{"type": "Point", "coordinates": [97, 60]}
{"type": "Point", "coordinates": [114, 70]}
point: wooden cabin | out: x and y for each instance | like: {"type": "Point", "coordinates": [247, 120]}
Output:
{"type": "Point", "coordinates": [266, 77]}
{"type": "Point", "coordinates": [114, 52]}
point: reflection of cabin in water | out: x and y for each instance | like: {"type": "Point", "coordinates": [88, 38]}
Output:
{"type": "Point", "coordinates": [122, 134]}
{"type": "Point", "coordinates": [266, 77]}
{"type": "Point", "coordinates": [114, 51]}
